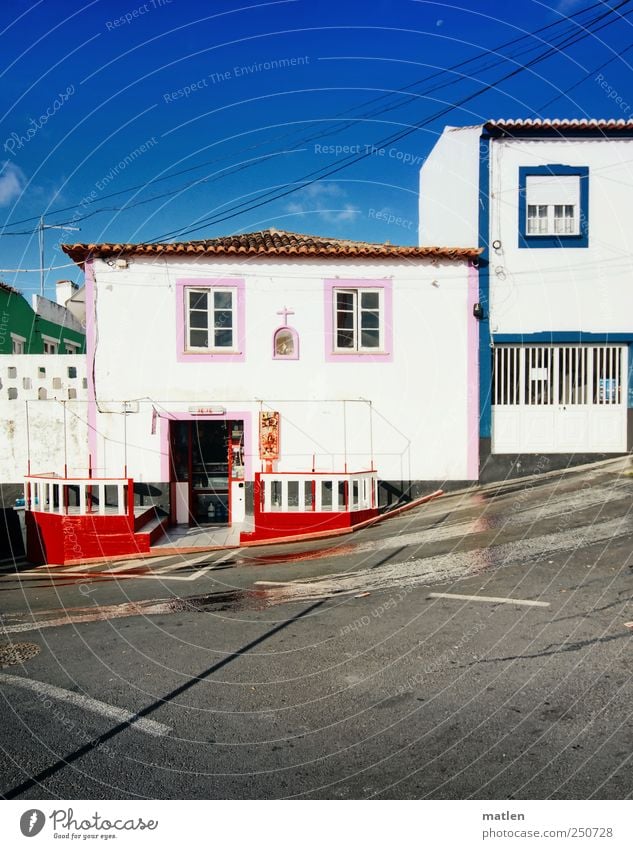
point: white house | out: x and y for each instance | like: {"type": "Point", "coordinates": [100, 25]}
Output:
{"type": "Point", "coordinates": [278, 383]}
{"type": "Point", "coordinates": [548, 204]}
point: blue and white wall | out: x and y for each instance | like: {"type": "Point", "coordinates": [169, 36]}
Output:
{"type": "Point", "coordinates": [542, 292]}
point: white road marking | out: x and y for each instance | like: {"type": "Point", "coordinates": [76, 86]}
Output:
{"type": "Point", "coordinates": [492, 599]}
{"type": "Point", "coordinates": [128, 564]}
{"type": "Point", "coordinates": [277, 583]}
{"type": "Point", "coordinates": [182, 563]}
{"type": "Point", "coordinates": [148, 726]}
{"type": "Point", "coordinates": [151, 575]}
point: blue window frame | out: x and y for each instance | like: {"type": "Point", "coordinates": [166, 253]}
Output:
{"type": "Point", "coordinates": [554, 223]}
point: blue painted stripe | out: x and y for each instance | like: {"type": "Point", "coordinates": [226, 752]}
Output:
{"type": "Point", "coordinates": [630, 382]}
{"type": "Point", "coordinates": [485, 358]}
{"type": "Point", "coordinates": [561, 336]}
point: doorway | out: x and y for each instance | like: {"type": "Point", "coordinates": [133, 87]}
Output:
{"type": "Point", "coordinates": [205, 460]}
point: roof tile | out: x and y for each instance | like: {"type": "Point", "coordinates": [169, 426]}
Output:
{"type": "Point", "coordinates": [270, 242]}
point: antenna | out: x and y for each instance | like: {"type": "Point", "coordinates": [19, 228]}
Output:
{"type": "Point", "coordinates": [41, 227]}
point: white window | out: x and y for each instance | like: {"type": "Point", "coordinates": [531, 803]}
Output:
{"type": "Point", "coordinates": [71, 347]}
{"type": "Point", "coordinates": [358, 319]}
{"type": "Point", "coordinates": [51, 346]}
{"type": "Point", "coordinates": [211, 319]}
{"type": "Point", "coordinates": [18, 344]}
{"type": "Point", "coordinates": [553, 204]}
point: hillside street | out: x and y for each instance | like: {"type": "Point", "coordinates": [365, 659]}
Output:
{"type": "Point", "coordinates": [475, 647]}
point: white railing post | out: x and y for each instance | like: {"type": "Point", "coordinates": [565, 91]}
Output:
{"type": "Point", "coordinates": [284, 494]}
{"type": "Point", "coordinates": [120, 499]}
{"type": "Point", "coordinates": [267, 495]}
{"type": "Point", "coordinates": [82, 498]}
{"type": "Point", "coordinates": [101, 496]}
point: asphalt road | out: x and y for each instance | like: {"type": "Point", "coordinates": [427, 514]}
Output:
{"type": "Point", "coordinates": [341, 671]}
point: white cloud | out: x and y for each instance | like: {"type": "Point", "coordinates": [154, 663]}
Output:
{"type": "Point", "coordinates": [327, 200]}
{"type": "Point", "coordinates": [12, 182]}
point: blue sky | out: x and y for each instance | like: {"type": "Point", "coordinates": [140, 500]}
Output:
{"type": "Point", "coordinates": [115, 96]}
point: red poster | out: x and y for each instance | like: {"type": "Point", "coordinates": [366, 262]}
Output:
{"type": "Point", "coordinates": [269, 436]}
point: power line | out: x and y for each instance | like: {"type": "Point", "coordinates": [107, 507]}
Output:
{"type": "Point", "coordinates": [327, 132]}
{"type": "Point", "coordinates": [583, 79]}
{"type": "Point", "coordinates": [328, 171]}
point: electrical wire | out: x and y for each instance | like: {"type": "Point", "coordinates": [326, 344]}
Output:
{"type": "Point", "coordinates": [328, 171]}
{"type": "Point", "coordinates": [327, 132]}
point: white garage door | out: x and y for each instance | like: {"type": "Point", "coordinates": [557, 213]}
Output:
{"type": "Point", "coordinates": [559, 398]}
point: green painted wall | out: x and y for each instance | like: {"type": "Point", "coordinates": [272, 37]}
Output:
{"type": "Point", "coordinates": [17, 316]}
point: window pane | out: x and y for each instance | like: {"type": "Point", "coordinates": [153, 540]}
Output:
{"type": "Point", "coordinates": [198, 339]}
{"type": "Point", "coordinates": [345, 339]}
{"type": "Point", "coordinates": [293, 495]}
{"type": "Point", "coordinates": [223, 300]}
{"type": "Point", "coordinates": [198, 319]}
{"type": "Point", "coordinates": [223, 318]}
{"type": "Point", "coordinates": [369, 320]}
{"type": "Point", "coordinates": [326, 495]}
{"type": "Point", "coordinates": [344, 301]}
{"type": "Point", "coordinates": [564, 218]}
{"type": "Point", "coordinates": [537, 218]}
{"type": "Point", "coordinates": [198, 300]}
{"type": "Point", "coordinates": [223, 338]}
{"type": "Point", "coordinates": [345, 320]}
{"type": "Point", "coordinates": [370, 338]}
{"type": "Point", "coordinates": [369, 300]}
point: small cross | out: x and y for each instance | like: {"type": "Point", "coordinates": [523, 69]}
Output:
{"type": "Point", "coordinates": [285, 312]}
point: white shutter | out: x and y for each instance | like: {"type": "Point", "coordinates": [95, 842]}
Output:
{"type": "Point", "coordinates": [553, 190]}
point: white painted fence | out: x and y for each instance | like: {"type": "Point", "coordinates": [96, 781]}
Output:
{"type": "Point", "coordinates": [294, 492]}
{"type": "Point", "coordinates": [78, 496]}
{"type": "Point", "coordinates": [559, 398]}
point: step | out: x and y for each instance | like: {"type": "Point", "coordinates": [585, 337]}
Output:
{"type": "Point", "coordinates": [153, 529]}
{"type": "Point", "coordinates": [143, 516]}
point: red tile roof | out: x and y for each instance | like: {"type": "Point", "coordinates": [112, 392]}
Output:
{"type": "Point", "coordinates": [269, 242]}
{"type": "Point", "coordinates": [560, 124]}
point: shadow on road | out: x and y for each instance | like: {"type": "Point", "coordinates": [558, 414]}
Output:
{"type": "Point", "coordinates": [36, 780]}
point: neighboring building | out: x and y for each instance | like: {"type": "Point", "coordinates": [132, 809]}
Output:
{"type": "Point", "coordinates": [548, 204]}
{"type": "Point", "coordinates": [275, 382]}
{"type": "Point", "coordinates": [33, 384]}
{"type": "Point", "coordinates": [46, 327]}
{"type": "Point", "coordinates": [42, 397]}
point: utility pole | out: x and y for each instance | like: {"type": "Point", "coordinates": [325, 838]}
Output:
{"type": "Point", "coordinates": [41, 227]}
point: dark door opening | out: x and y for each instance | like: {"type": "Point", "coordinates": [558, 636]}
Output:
{"type": "Point", "coordinates": [200, 459]}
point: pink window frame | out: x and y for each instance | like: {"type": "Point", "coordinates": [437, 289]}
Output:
{"type": "Point", "coordinates": [184, 356]}
{"type": "Point", "coordinates": [295, 339]}
{"type": "Point", "coordinates": [385, 356]}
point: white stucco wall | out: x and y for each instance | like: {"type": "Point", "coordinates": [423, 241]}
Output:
{"type": "Point", "coordinates": [543, 289]}
{"type": "Point", "coordinates": [21, 382]}
{"type": "Point", "coordinates": [418, 400]}
{"type": "Point", "coordinates": [449, 186]}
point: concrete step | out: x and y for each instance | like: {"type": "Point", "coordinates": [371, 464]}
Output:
{"type": "Point", "coordinates": [153, 529]}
